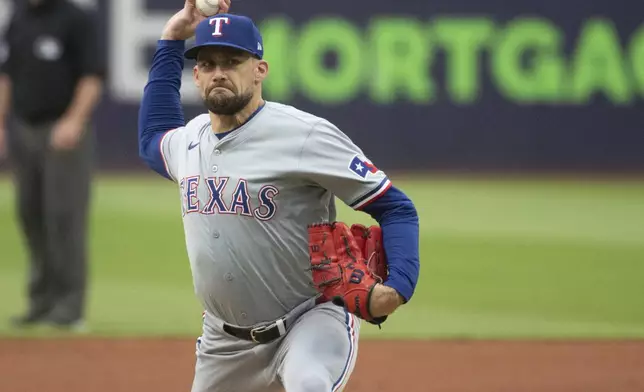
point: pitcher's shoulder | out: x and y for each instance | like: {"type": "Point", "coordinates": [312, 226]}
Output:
{"type": "Point", "coordinates": [283, 113]}
{"type": "Point", "coordinates": [198, 122]}
{"type": "Point", "coordinates": [197, 125]}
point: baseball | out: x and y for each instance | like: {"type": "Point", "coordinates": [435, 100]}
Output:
{"type": "Point", "coordinates": [207, 7]}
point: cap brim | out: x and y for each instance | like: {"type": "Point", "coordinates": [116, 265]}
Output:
{"type": "Point", "coordinates": [192, 52]}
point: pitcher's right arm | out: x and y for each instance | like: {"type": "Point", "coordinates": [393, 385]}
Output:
{"type": "Point", "coordinates": [161, 115]}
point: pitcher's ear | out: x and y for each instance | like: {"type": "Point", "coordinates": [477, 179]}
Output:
{"type": "Point", "coordinates": [261, 70]}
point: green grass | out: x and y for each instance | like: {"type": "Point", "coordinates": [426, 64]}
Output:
{"type": "Point", "coordinates": [499, 259]}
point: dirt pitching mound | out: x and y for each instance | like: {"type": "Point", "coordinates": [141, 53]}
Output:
{"type": "Point", "coordinates": [91, 365]}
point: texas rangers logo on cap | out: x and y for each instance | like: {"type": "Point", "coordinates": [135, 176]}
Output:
{"type": "Point", "coordinates": [234, 31]}
{"type": "Point", "coordinates": [217, 23]}
{"type": "Point", "coordinates": [362, 167]}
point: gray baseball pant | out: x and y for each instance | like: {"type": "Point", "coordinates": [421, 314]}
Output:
{"type": "Point", "coordinates": [53, 191]}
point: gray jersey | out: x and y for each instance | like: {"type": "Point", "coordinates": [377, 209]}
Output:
{"type": "Point", "coordinates": [247, 199]}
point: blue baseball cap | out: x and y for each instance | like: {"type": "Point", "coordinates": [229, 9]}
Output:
{"type": "Point", "coordinates": [235, 31]}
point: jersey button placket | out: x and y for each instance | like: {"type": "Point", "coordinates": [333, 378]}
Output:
{"type": "Point", "coordinates": [215, 162]}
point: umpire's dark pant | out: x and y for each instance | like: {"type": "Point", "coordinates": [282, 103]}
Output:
{"type": "Point", "coordinates": [52, 202]}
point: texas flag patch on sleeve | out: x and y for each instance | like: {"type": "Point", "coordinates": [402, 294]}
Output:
{"type": "Point", "coordinates": [362, 167]}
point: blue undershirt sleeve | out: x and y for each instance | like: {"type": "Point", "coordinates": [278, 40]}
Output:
{"type": "Point", "coordinates": [398, 219]}
{"type": "Point", "coordinates": [161, 113]}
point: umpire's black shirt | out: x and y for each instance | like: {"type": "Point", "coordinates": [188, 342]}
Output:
{"type": "Point", "coordinates": [51, 44]}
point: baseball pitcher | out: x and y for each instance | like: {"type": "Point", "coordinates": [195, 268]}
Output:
{"type": "Point", "coordinates": [283, 284]}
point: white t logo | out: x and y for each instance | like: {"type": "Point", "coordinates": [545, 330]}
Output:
{"type": "Point", "coordinates": [217, 23]}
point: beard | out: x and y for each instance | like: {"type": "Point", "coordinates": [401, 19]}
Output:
{"type": "Point", "coordinates": [227, 105]}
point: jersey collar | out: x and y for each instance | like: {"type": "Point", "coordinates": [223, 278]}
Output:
{"type": "Point", "coordinates": [236, 136]}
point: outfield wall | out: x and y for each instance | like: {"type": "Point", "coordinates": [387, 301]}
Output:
{"type": "Point", "coordinates": [459, 84]}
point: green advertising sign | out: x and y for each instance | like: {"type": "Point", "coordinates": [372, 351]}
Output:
{"type": "Point", "coordinates": [393, 59]}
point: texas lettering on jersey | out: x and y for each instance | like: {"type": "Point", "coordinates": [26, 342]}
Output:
{"type": "Point", "coordinates": [238, 202]}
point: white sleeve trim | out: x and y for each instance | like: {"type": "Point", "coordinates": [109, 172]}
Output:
{"type": "Point", "coordinates": [163, 156]}
{"type": "Point", "coordinates": [372, 194]}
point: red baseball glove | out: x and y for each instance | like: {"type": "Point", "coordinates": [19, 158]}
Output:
{"type": "Point", "coordinates": [346, 264]}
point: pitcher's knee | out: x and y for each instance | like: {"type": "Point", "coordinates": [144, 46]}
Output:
{"type": "Point", "coordinates": [308, 382]}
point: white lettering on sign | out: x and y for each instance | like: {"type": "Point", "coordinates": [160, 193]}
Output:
{"type": "Point", "coordinates": [133, 29]}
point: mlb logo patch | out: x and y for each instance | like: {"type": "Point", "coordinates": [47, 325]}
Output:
{"type": "Point", "coordinates": [362, 167]}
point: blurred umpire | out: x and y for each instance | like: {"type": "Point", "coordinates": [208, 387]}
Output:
{"type": "Point", "coordinates": [50, 82]}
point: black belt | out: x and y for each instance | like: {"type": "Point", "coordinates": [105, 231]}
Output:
{"type": "Point", "coordinates": [263, 334]}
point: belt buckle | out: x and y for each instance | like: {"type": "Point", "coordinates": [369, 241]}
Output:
{"type": "Point", "coordinates": [257, 330]}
